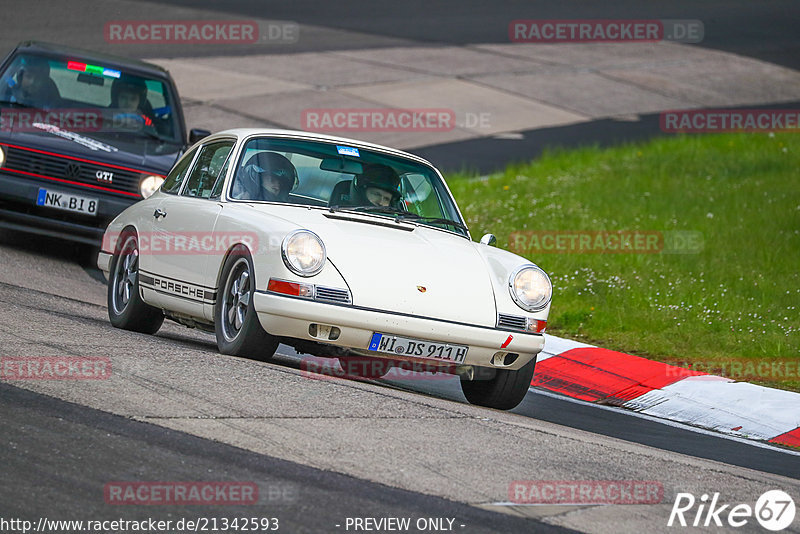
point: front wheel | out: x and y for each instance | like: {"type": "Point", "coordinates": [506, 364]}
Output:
{"type": "Point", "coordinates": [126, 309]}
{"type": "Point", "coordinates": [504, 391]}
{"type": "Point", "coordinates": [235, 320]}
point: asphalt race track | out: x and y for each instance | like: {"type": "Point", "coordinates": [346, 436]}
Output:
{"type": "Point", "coordinates": [324, 451]}
{"type": "Point", "coordinates": [65, 452]}
{"type": "Point", "coordinates": [327, 448]}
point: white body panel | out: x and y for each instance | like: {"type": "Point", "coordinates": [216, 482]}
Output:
{"type": "Point", "coordinates": [187, 219]}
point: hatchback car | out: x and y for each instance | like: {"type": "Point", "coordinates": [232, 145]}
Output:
{"type": "Point", "coordinates": [83, 136]}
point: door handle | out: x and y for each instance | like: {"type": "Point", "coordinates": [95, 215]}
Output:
{"type": "Point", "coordinates": [159, 213]}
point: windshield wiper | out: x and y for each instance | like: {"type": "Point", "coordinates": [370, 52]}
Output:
{"type": "Point", "coordinates": [371, 209]}
{"type": "Point", "coordinates": [402, 214]}
{"type": "Point", "coordinates": [149, 133]}
{"type": "Point", "coordinates": [17, 104]}
{"type": "Point", "coordinates": [433, 220]}
{"type": "Point", "coordinates": [382, 209]}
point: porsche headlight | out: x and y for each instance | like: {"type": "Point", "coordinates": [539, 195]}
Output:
{"type": "Point", "coordinates": [303, 252]}
{"type": "Point", "coordinates": [530, 288]}
{"type": "Point", "coordinates": [150, 185]}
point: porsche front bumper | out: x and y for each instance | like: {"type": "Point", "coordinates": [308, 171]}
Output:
{"type": "Point", "coordinates": [288, 316]}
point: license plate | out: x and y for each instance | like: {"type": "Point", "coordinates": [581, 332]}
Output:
{"type": "Point", "coordinates": [403, 346]}
{"type": "Point", "coordinates": [67, 202]}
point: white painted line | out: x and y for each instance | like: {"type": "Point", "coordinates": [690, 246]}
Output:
{"type": "Point", "coordinates": [666, 422]}
{"type": "Point", "coordinates": [549, 504]}
{"type": "Point", "coordinates": [724, 405]}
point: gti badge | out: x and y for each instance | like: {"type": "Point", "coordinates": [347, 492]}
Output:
{"type": "Point", "coordinates": [104, 176]}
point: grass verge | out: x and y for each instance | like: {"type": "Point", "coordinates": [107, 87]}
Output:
{"type": "Point", "coordinates": [713, 280]}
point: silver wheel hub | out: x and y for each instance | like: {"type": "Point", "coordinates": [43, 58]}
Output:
{"type": "Point", "coordinates": [236, 299]}
{"type": "Point", "coordinates": [125, 275]}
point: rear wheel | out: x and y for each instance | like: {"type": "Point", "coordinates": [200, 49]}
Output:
{"type": "Point", "coordinates": [504, 391]}
{"type": "Point", "coordinates": [126, 309]}
{"type": "Point", "coordinates": [235, 320]}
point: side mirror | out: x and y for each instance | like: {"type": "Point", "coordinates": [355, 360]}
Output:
{"type": "Point", "coordinates": [489, 239]}
{"type": "Point", "coordinates": [196, 134]}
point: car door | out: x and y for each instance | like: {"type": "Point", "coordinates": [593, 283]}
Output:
{"type": "Point", "coordinates": [149, 244]}
{"type": "Point", "coordinates": [183, 240]}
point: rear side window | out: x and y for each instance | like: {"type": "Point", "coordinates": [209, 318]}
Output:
{"type": "Point", "coordinates": [209, 166]}
{"type": "Point", "coordinates": [172, 183]}
{"type": "Point", "coordinates": [216, 191]}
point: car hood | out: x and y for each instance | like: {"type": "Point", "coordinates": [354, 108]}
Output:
{"type": "Point", "coordinates": [140, 153]}
{"type": "Point", "coordinates": [405, 268]}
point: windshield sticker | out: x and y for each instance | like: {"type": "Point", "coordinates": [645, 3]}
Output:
{"type": "Point", "coordinates": [88, 142]}
{"type": "Point", "coordinates": [93, 69]}
{"type": "Point", "coordinates": [348, 151]}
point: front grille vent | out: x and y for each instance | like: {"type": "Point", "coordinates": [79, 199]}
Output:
{"type": "Point", "coordinates": [516, 322]}
{"type": "Point", "coordinates": [332, 294]}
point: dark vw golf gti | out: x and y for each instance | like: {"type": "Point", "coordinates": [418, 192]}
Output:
{"type": "Point", "coordinates": [82, 136]}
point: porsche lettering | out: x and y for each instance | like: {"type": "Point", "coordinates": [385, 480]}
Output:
{"type": "Point", "coordinates": [178, 288]}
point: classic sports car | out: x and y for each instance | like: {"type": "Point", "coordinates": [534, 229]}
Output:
{"type": "Point", "coordinates": [336, 247]}
{"type": "Point", "coordinates": [82, 136]}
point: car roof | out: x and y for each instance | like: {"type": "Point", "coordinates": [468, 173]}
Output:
{"type": "Point", "coordinates": [41, 47]}
{"type": "Point", "coordinates": [242, 133]}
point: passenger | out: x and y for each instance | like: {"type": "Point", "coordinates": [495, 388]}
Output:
{"type": "Point", "coordinates": [266, 176]}
{"type": "Point", "coordinates": [377, 185]}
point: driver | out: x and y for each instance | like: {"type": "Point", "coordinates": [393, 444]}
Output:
{"type": "Point", "coordinates": [266, 176]}
{"type": "Point", "coordinates": [36, 88]}
{"type": "Point", "coordinates": [129, 95]}
{"type": "Point", "coordinates": [377, 185]}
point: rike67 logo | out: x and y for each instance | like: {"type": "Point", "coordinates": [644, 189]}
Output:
{"type": "Point", "coordinates": [774, 510]}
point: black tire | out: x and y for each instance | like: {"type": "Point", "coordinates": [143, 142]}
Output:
{"type": "Point", "coordinates": [504, 391]}
{"type": "Point", "coordinates": [126, 309]}
{"type": "Point", "coordinates": [239, 333]}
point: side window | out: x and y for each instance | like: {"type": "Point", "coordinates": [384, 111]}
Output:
{"type": "Point", "coordinates": [172, 183]}
{"type": "Point", "coordinates": [209, 166]}
{"type": "Point", "coordinates": [216, 191]}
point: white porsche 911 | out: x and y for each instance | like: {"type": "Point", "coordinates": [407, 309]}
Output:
{"type": "Point", "coordinates": [339, 248]}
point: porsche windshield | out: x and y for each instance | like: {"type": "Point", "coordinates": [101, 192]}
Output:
{"type": "Point", "coordinates": [39, 92]}
{"type": "Point", "coordinates": [345, 178]}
